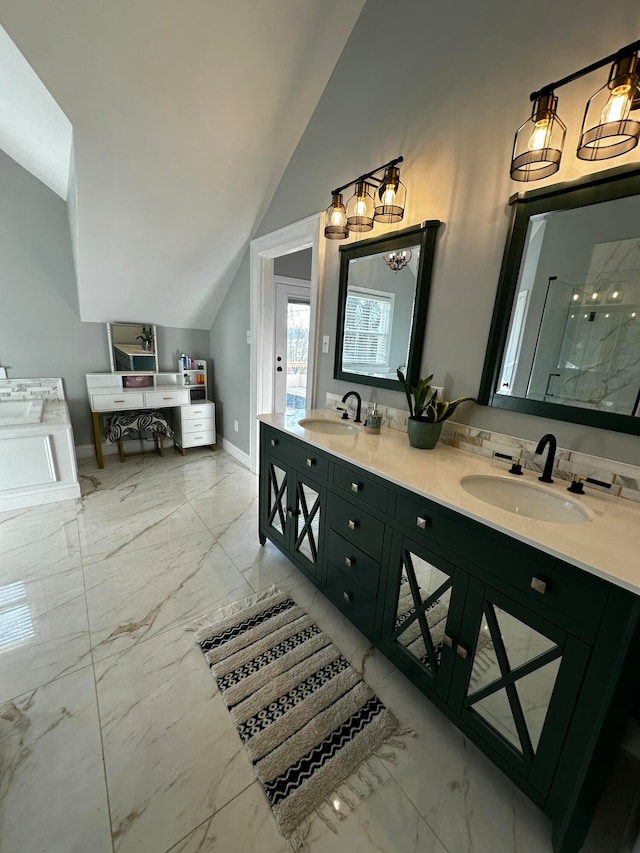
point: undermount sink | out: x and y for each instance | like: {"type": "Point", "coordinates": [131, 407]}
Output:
{"type": "Point", "coordinates": [328, 427]}
{"type": "Point", "coordinates": [525, 499]}
{"type": "Point", "coordinates": [16, 412]}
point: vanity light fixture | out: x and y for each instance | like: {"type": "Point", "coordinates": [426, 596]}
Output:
{"type": "Point", "coordinates": [336, 219]}
{"type": "Point", "coordinates": [607, 130]}
{"type": "Point", "coordinates": [379, 196]}
{"type": "Point", "coordinates": [397, 260]}
{"type": "Point", "coordinates": [360, 208]}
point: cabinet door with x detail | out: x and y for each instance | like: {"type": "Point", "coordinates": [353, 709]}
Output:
{"type": "Point", "coordinates": [306, 504]}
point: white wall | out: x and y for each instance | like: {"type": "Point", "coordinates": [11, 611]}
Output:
{"type": "Point", "coordinates": [447, 94]}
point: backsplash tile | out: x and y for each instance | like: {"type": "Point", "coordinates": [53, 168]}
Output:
{"type": "Point", "coordinates": [31, 389]}
{"type": "Point", "coordinates": [624, 479]}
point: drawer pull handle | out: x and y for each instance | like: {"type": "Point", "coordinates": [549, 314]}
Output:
{"type": "Point", "coordinates": [446, 639]}
{"type": "Point", "coordinates": [422, 522]}
{"type": "Point", "coordinates": [348, 597]}
{"type": "Point", "coordinates": [311, 462]}
{"type": "Point", "coordinates": [352, 524]}
{"type": "Point", "coordinates": [167, 398]}
{"type": "Point", "coordinates": [462, 652]}
{"type": "Point", "coordinates": [198, 426]}
{"type": "Point", "coordinates": [348, 561]}
{"type": "Point", "coordinates": [355, 487]}
{"type": "Point", "coordinates": [119, 401]}
{"type": "Point", "coordinates": [538, 585]}
{"type": "Point", "coordinates": [274, 441]}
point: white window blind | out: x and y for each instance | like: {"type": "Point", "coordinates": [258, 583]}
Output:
{"type": "Point", "coordinates": [367, 327]}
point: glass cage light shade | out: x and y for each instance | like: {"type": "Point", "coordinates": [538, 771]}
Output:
{"type": "Point", "coordinates": [538, 143]}
{"type": "Point", "coordinates": [336, 219]}
{"type": "Point", "coordinates": [360, 208]}
{"type": "Point", "coordinates": [392, 195]}
{"type": "Point", "coordinates": [607, 130]}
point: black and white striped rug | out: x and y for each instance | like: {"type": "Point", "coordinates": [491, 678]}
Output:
{"type": "Point", "coordinates": [305, 717]}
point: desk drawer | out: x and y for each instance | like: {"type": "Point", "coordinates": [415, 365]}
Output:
{"type": "Point", "coordinates": [117, 400]}
{"type": "Point", "coordinates": [197, 439]}
{"type": "Point", "coordinates": [360, 487]}
{"type": "Point", "coordinates": [161, 399]}
{"type": "Point", "coordinates": [197, 412]}
{"type": "Point", "coordinates": [196, 426]}
{"type": "Point", "coordinates": [355, 524]}
{"type": "Point", "coordinates": [355, 565]}
{"type": "Point", "coordinates": [307, 458]}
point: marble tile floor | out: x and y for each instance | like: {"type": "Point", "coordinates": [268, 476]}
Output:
{"type": "Point", "coordinates": [113, 737]}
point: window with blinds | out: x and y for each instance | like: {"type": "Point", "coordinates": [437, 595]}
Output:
{"type": "Point", "coordinates": [367, 327]}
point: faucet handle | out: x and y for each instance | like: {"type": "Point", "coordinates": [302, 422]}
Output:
{"type": "Point", "coordinates": [576, 486]}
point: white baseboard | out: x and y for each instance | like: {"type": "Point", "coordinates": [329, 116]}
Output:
{"type": "Point", "coordinates": [238, 454]}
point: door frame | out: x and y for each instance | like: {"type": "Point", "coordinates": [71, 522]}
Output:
{"type": "Point", "coordinates": [305, 234]}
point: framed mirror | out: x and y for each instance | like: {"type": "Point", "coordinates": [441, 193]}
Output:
{"type": "Point", "coordinates": [565, 334]}
{"type": "Point", "coordinates": [382, 306]}
{"type": "Point", "coordinates": [132, 347]}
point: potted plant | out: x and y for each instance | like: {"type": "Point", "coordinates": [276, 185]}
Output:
{"type": "Point", "coordinates": [426, 412]}
{"type": "Point", "coordinates": [146, 337]}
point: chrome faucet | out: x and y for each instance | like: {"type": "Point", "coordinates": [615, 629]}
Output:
{"type": "Point", "coordinates": [548, 465]}
{"type": "Point", "coordinates": [359, 405]}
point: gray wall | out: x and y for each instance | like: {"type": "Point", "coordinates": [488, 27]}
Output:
{"type": "Point", "coordinates": [41, 333]}
{"type": "Point", "coordinates": [295, 265]}
{"type": "Point", "coordinates": [449, 99]}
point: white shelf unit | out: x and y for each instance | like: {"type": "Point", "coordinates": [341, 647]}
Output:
{"type": "Point", "coordinates": [195, 424]}
{"type": "Point", "coordinates": [197, 389]}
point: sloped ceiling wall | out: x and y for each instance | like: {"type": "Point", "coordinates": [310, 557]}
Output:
{"type": "Point", "coordinates": [184, 118]}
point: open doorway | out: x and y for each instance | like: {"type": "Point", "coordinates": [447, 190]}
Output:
{"type": "Point", "coordinates": [303, 235]}
{"type": "Point", "coordinates": [292, 325]}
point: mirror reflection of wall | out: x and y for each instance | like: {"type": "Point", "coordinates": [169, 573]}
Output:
{"type": "Point", "coordinates": [132, 347]}
{"type": "Point", "coordinates": [574, 335]}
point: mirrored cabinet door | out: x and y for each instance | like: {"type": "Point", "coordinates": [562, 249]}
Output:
{"type": "Point", "coordinates": [511, 682]}
{"type": "Point", "coordinates": [421, 627]}
{"type": "Point", "coordinates": [277, 499]}
{"type": "Point", "coordinates": [307, 522]}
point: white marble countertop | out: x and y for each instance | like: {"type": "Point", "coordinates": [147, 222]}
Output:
{"type": "Point", "coordinates": [54, 413]}
{"type": "Point", "coordinates": [607, 546]}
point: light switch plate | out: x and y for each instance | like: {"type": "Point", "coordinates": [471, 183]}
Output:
{"type": "Point", "coordinates": [325, 343]}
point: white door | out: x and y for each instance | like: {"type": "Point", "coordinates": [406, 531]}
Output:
{"type": "Point", "coordinates": [291, 350]}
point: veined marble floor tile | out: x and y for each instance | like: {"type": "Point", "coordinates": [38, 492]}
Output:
{"type": "Point", "coordinates": [229, 502]}
{"type": "Point", "coordinates": [269, 567]}
{"type": "Point", "coordinates": [172, 754]}
{"type": "Point", "coordinates": [129, 525]}
{"type": "Point", "coordinates": [52, 789]}
{"type": "Point", "coordinates": [132, 596]}
{"type": "Point", "coordinates": [466, 800]}
{"type": "Point", "coordinates": [39, 541]}
{"type": "Point", "coordinates": [44, 632]}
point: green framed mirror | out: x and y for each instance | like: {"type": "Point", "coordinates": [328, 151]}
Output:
{"type": "Point", "coordinates": [565, 335]}
{"type": "Point", "coordinates": [382, 306]}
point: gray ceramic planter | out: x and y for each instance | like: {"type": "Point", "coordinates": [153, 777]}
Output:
{"type": "Point", "coordinates": [423, 434]}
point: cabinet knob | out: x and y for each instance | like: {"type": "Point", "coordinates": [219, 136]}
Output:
{"type": "Point", "coordinates": [348, 562]}
{"type": "Point", "coordinates": [355, 487]}
{"type": "Point", "coordinates": [348, 597]}
{"type": "Point", "coordinates": [447, 640]}
{"type": "Point", "coordinates": [352, 524]}
{"type": "Point", "coordinates": [422, 522]}
{"type": "Point", "coordinates": [462, 652]}
{"type": "Point", "coordinates": [274, 441]}
{"type": "Point", "coordinates": [538, 585]}
{"type": "Point", "coordinates": [292, 512]}
{"type": "Point", "coordinates": [311, 462]}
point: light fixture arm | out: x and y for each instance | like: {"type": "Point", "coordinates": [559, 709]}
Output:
{"type": "Point", "coordinates": [628, 50]}
{"type": "Point", "coordinates": [369, 176]}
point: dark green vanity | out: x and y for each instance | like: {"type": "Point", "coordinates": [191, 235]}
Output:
{"type": "Point", "coordinates": [533, 659]}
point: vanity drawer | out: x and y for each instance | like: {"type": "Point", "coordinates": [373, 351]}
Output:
{"type": "Point", "coordinates": [360, 487]}
{"type": "Point", "coordinates": [160, 399]}
{"type": "Point", "coordinates": [117, 400]}
{"type": "Point", "coordinates": [358, 607]}
{"type": "Point", "coordinates": [355, 524]}
{"type": "Point", "coordinates": [276, 444]}
{"type": "Point", "coordinates": [417, 517]}
{"type": "Point", "coordinates": [306, 457]}
{"type": "Point", "coordinates": [356, 566]}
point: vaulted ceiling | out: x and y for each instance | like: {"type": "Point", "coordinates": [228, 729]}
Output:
{"type": "Point", "coordinates": [184, 117]}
